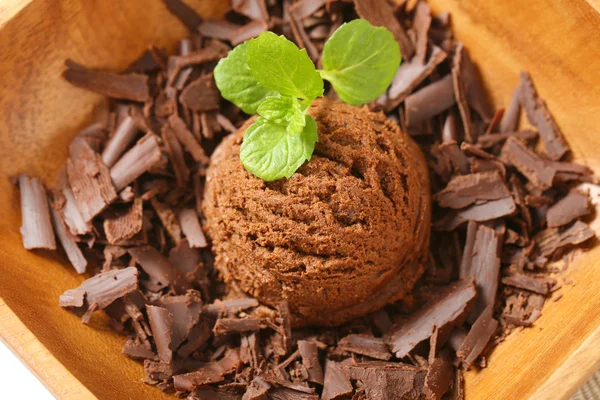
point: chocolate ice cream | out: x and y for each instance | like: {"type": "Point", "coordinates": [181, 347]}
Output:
{"type": "Point", "coordinates": [345, 235]}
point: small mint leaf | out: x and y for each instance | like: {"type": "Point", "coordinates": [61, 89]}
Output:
{"type": "Point", "coordinates": [360, 61]}
{"type": "Point", "coordinates": [278, 64]}
{"type": "Point", "coordinates": [270, 153]}
{"type": "Point", "coordinates": [236, 82]}
{"type": "Point", "coordinates": [283, 110]}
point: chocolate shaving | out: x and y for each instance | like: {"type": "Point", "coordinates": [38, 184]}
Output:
{"type": "Point", "coordinates": [574, 205]}
{"type": "Point", "coordinates": [460, 92]}
{"type": "Point", "coordinates": [388, 381]}
{"type": "Point", "coordinates": [130, 86]}
{"type": "Point", "coordinates": [476, 95]}
{"type": "Point", "coordinates": [201, 95]}
{"type": "Point", "coordinates": [248, 31]}
{"type": "Point", "coordinates": [421, 24]}
{"type": "Point", "coordinates": [257, 390]}
{"type": "Point", "coordinates": [187, 139]}
{"type": "Point", "coordinates": [36, 227]}
{"type": "Point", "coordinates": [231, 306]}
{"type": "Point", "coordinates": [218, 29]}
{"type": "Point", "coordinates": [186, 259]}
{"type": "Point", "coordinates": [168, 219]}
{"type": "Point", "coordinates": [124, 224]}
{"type": "Point", "coordinates": [253, 9]}
{"type": "Point", "coordinates": [151, 60]}
{"type": "Point", "coordinates": [186, 314]}
{"type": "Point", "coordinates": [537, 285]}
{"type": "Point", "coordinates": [102, 289]}
{"type": "Point", "coordinates": [225, 326]}
{"type": "Point", "coordinates": [73, 252]}
{"type": "Point", "coordinates": [89, 179]}
{"type": "Point", "coordinates": [283, 393]}
{"type": "Point", "coordinates": [186, 14]}
{"type": "Point", "coordinates": [118, 143]}
{"type": "Point", "coordinates": [510, 122]}
{"type": "Point", "coordinates": [212, 372]}
{"type": "Point", "coordinates": [137, 350]}
{"type": "Point", "coordinates": [429, 101]}
{"type": "Point", "coordinates": [197, 337]}
{"type": "Point", "coordinates": [440, 376]}
{"type": "Point", "coordinates": [161, 322]}
{"type": "Point", "coordinates": [464, 190]}
{"type": "Point", "coordinates": [190, 226]}
{"type": "Point", "coordinates": [481, 260]}
{"type": "Point", "coordinates": [309, 351]}
{"type": "Point", "coordinates": [68, 207]}
{"type": "Point", "coordinates": [538, 115]}
{"type": "Point", "coordinates": [478, 337]}
{"type": "Point", "coordinates": [537, 170]}
{"type": "Point", "coordinates": [305, 8]}
{"type": "Point", "coordinates": [365, 345]}
{"type": "Point", "coordinates": [449, 308]}
{"type": "Point", "coordinates": [492, 139]}
{"type": "Point", "coordinates": [162, 273]}
{"type": "Point", "coordinates": [182, 172]}
{"type": "Point", "coordinates": [139, 159]}
{"type": "Point", "coordinates": [381, 13]}
{"type": "Point", "coordinates": [410, 75]}
{"type": "Point", "coordinates": [477, 212]}
{"type": "Point", "coordinates": [337, 383]}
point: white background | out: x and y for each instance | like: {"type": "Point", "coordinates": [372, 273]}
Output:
{"type": "Point", "coordinates": [16, 381]}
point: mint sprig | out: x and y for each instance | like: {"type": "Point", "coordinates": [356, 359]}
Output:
{"type": "Point", "coordinates": [271, 76]}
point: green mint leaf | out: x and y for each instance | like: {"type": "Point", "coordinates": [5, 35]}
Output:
{"type": "Point", "coordinates": [360, 61]}
{"type": "Point", "coordinates": [284, 110]}
{"type": "Point", "coordinates": [236, 82]}
{"type": "Point", "coordinates": [278, 64]}
{"type": "Point", "coordinates": [270, 153]}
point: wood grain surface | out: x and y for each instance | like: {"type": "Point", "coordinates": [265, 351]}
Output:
{"type": "Point", "coordinates": [557, 41]}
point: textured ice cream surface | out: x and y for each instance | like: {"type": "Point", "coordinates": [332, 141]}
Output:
{"type": "Point", "coordinates": [345, 235]}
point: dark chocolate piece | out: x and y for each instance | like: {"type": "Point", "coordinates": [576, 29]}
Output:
{"type": "Point", "coordinates": [130, 86]}
{"type": "Point", "coordinates": [173, 147]}
{"type": "Point", "coordinates": [574, 205]}
{"type": "Point", "coordinates": [460, 93]}
{"type": "Point", "coordinates": [139, 159]}
{"type": "Point", "coordinates": [190, 226]}
{"type": "Point", "coordinates": [464, 190]}
{"type": "Point", "coordinates": [388, 381]}
{"type": "Point", "coordinates": [537, 285]}
{"type": "Point", "coordinates": [478, 337]}
{"type": "Point", "coordinates": [365, 345]}
{"type": "Point", "coordinates": [102, 289]}
{"type": "Point", "coordinates": [247, 32]}
{"type": "Point", "coordinates": [429, 101]}
{"type": "Point", "coordinates": [481, 260]}
{"type": "Point", "coordinates": [89, 179]}
{"type": "Point", "coordinates": [538, 115]}
{"type": "Point", "coordinates": [161, 272]}
{"type": "Point", "coordinates": [120, 140]}
{"type": "Point", "coordinates": [225, 326]}
{"type": "Point", "coordinates": [201, 95]}
{"type": "Point", "coordinates": [552, 239]}
{"type": "Point", "coordinates": [125, 223]}
{"type": "Point", "coordinates": [421, 24]}
{"type": "Point", "coordinates": [186, 14]}
{"type": "Point", "coordinates": [310, 358]}
{"type": "Point", "coordinates": [73, 252]}
{"type": "Point", "coordinates": [537, 170]}
{"type": "Point", "coordinates": [253, 9]}
{"type": "Point", "coordinates": [36, 226]}
{"type": "Point", "coordinates": [161, 323]}
{"type": "Point", "coordinates": [212, 372]}
{"type": "Point", "coordinates": [450, 307]}
{"type": "Point", "coordinates": [382, 14]}
{"type": "Point", "coordinates": [440, 376]}
{"type": "Point", "coordinates": [510, 122]}
{"type": "Point", "coordinates": [410, 75]}
{"type": "Point", "coordinates": [187, 139]}
{"type": "Point", "coordinates": [337, 382]}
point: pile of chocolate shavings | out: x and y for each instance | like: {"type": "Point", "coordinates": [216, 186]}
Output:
{"type": "Point", "coordinates": [129, 197]}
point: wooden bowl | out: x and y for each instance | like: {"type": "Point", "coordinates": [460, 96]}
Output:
{"type": "Point", "coordinates": [558, 42]}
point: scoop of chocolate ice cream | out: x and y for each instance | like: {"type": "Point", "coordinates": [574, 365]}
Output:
{"type": "Point", "coordinates": [345, 235]}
